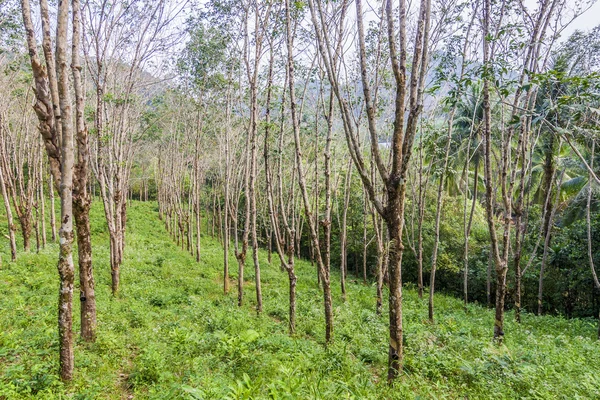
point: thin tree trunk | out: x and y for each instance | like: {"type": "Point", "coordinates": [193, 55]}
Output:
{"type": "Point", "coordinates": [198, 215]}
{"type": "Point", "coordinates": [326, 222]}
{"type": "Point", "coordinates": [81, 196]}
{"type": "Point", "coordinates": [269, 237]}
{"type": "Point", "coordinates": [197, 209]}
{"type": "Point", "coordinates": [438, 215]}
{"type": "Point", "coordinates": [421, 211]}
{"type": "Point", "coordinates": [9, 216]}
{"type": "Point", "coordinates": [489, 193]}
{"type": "Point", "coordinates": [381, 259]}
{"type": "Point", "coordinates": [488, 279]}
{"type": "Point", "coordinates": [52, 208]}
{"type": "Point", "coordinates": [468, 232]}
{"type": "Point", "coordinates": [365, 244]}
{"type": "Point", "coordinates": [520, 228]}
{"type": "Point", "coordinates": [302, 181]}
{"type": "Point", "coordinates": [42, 201]}
{"type": "Point", "coordinates": [226, 218]}
{"type": "Point", "coordinates": [550, 221]}
{"type": "Point", "coordinates": [283, 251]}
{"type": "Point", "coordinates": [396, 249]}
{"type": "Point", "coordinates": [66, 269]}
{"type": "Point", "coordinates": [114, 266]}
{"type": "Point", "coordinates": [36, 225]}
{"type": "Point", "coordinates": [588, 219]}
{"type": "Point", "coordinates": [253, 211]}
{"type": "Point", "coordinates": [344, 231]}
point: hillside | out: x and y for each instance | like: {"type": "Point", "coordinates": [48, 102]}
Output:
{"type": "Point", "coordinates": [173, 334]}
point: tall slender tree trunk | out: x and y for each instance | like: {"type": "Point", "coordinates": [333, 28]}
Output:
{"type": "Point", "coordinates": [252, 194]}
{"type": "Point", "coordinates": [9, 216]}
{"type": "Point", "coordinates": [302, 181]}
{"type": "Point", "coordinates": [114, 266]}
{"type": "Point", "coordinates": [421, 212]}
{"type": "Point", "coordinates": [365, 243]}
{"type": "Point", "coordinates": [81, 196]}
{"type": "Point", "coordinates": [66, 269]}
{"type": "Point", "coordinates": [438, 216]}
{"type": "Point", "coordinates": [588, 218]}
{"type": "Point", "coordinates": [283, 250]}
{"type": "Point", "coordinates": [36, 224]}
{"type": "Point", "coordinates": [520, 228]}
{"type": "Point", "coordinates": [42, 201]}
{"type": "Point", "coordinates": [550, 221]}
{"type": "Point", "coordinates": [499, 262]}
{"type": "Point", "coordinates": [468, 231]}
{"type": "Point", "coordinates": [381, 258]}
{"type": "Point", "coordinates": [344, 231]}
{"type": "Point", "coordinates": [226, 221]}
{"type": "Point", "coordinates": [326, 222]}
{"type": "Point", "coordinates": [269, 239]}
{"type": "Point", "coordinates": [549, 175]}
{"type": "Point", "coordinates": [52, 208]}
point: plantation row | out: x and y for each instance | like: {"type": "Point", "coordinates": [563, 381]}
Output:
{"type": "Point", "coordinates": [441, 146]}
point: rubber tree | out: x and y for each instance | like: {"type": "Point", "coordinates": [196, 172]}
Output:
{"type": "Point", "coordinates": [409, 90]}
{"type": "Point", "coordinates": [53, 108]}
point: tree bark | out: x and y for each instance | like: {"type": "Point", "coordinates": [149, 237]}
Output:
{"type": "Point", "coordinates": [53, 107]}
{"type": "Point", "coordinates": [66, 268]}
{"type": "Point", "coordinates": [81, 195]}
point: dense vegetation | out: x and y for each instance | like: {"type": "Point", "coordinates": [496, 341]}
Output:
{"type": "Point", "coordinates": [237, 192]}
{"type": "Point", "coordinates": [172, 334]}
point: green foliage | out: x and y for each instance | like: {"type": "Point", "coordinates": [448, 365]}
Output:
{"type": "Point", "coordinates": [11, 29]}
{"type": "Point", "coordinates": [172, 334]}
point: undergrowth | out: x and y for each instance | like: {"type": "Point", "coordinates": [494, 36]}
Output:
{"type": "Point", "coordinates": [173, 334]}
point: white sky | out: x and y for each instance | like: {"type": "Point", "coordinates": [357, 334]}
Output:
{"type": "Point", "coordinates": [585, 22]}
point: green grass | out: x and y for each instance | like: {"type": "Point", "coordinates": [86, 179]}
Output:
{"type": "Point", "coordinates": [173, 334]}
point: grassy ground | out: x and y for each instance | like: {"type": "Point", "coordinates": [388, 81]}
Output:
{"type": "Point", "coordinates": [173, 334]}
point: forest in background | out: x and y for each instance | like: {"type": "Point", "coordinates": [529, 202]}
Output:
{"type": "Point", "coordinates": [440, 146]}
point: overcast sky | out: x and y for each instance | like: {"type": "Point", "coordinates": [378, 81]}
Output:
{"type": "Point", "coordinates": [585, 22]}
{"type": "Point", "coordinates": [589, 19]}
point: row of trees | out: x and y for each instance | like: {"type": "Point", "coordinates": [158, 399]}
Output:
{"type": "Point", "coordinates": [476, 103]}
{"type": "Point", "coordinates": [437, 140]}
{"type": "Point", "coordinates": [93, 52]}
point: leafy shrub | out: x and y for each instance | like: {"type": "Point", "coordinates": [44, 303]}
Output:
{"type": "Point", "coordinates": [148, 369]}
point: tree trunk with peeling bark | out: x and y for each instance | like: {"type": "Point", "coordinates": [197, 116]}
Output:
{"type": "Point", "coordinates": [81, 196]}
{"type": "Point", "coordinates": [54, 110]}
